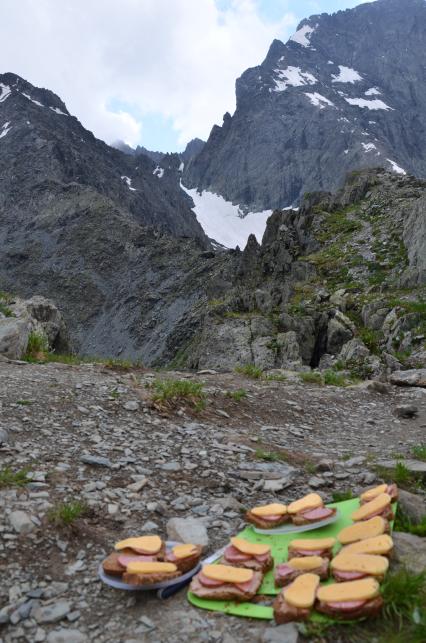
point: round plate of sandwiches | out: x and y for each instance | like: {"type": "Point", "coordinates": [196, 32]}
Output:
{"type": "Point", "coordinates": [149, 563]}
{"type": "Point", "coordinates": [301, 515]}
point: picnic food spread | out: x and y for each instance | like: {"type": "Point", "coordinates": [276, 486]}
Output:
{"type": "Point", "coordinates": [242, 553]}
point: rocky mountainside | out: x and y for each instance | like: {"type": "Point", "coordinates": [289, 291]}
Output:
{"type": "Point", "coordinates": [193, 148]}
{"type": "Point", "coordinates": [347, 91]}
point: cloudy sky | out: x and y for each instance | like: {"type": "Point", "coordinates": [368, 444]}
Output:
{"type": "Point", "coordinates": [153, 72]}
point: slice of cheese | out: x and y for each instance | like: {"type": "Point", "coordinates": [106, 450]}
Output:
{"type": "Point", "coordinates": [184, 551]}
{"type": "Point", "coordinates": [363, 563]}
{"type": "Point", "coordinates": [254, 549]}
{"type": "Point", "coordinates": [228, 574]}
{"type": "Point", "coordinates": [360, 531]}
{"type": "Point", "coordinates": [307, 563]}
{"type": "Point", "coordinates": [314, 544]}
{"type": "Point", "coordinates": [148, 544]}
{"type": "Point", "coordinates": [275, 509]}
{"type": "Point", "coordinates": [374, 506]}
{"type": "Point", "coordinates": [301, 593]}
{"type": "Point", "coordinates": [379, 545]}
{"type": "Point", "coordinates": [311, 501]}
{"type": "Point", "coordinates": [355, 590]}
{"type": "Point", "coordinates": [151, 568]}
{"type": "Point", "coordinates": [370, 494]}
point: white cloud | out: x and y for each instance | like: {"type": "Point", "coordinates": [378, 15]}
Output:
{"type": "Point", "coordinates": [179, 59]}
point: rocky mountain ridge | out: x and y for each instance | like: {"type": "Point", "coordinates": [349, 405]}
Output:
{"type": "Point", "coordinates": [345, 92]}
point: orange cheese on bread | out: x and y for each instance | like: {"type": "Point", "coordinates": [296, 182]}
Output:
{"type": "Point", "coordinates": [374, 506]}
{"type": "Point", "coordinates": [312, 544]}
{"type": "Point", "coordinates": [362, 563]}
{"type": "Point", "coordinates": [361, 530]}
{"type": "Point", "coordinates": [379, 545]}
{"type": "Point", "coordinates": [302, 592]}
{"type": "Point", "coordinates": [274, 509]}
{"type": "Point", "coordinates": [255, 549]}
{"type": "Point", "coordinates": [307, 563]}
{"type": "Point", "coordinates": [184, 551]}
{"type": "Point", "coordinates": [151, 568]}
{"type": "Point", "coordinates": [370, 494]}
{"type": "Point", "coordinates": [355, 590]}
{"type": "Point", "coordinates": [311, 501]}
{"type": "Point", "coordinates": [228, 574]}
{"type": "Point", "coordinates": [149, 544]}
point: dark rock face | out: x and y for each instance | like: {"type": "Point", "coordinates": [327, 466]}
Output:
{"type": "Point", "coordinates": [347, 92]}
{"type": "Point", "coordinates": [193, 148]}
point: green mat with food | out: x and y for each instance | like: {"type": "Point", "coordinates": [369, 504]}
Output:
{"type": "Point", "coordinates": [279, 550]}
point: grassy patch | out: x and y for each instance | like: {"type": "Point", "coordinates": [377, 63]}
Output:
{"type": "Point", "coordinates": [238, 395]}
{"type": "Point", "coordinates": [332, 378]}
{"type": "Point", "coordinates": [419, 452]}
{"type": "Point", "coordinates": [341, 496]}
{"type": "Point", "coordinates": [172, 392]}
{"type": "Point", "coordinates": [371, 339]}
{"type": "Point", "coordinates": [251, 371]}
{"type": "Point", "coordinates": [66, 513]}
{"type": "Point", "coordinates": [275, 377]}
{"type": "Point", "coordinates": [268, 456]}
{"type": "Point", "coordinates": [37, 346]}
{"type": "Point", "coordinates": [23, 402]}
{"type": "Point", "coordinates": [311, 377]}
{"type": "Point", "coordinates": [9, 478]}
{"type": "Point", "coordinates": [403, 593]}
{"type": "Point", "coordinates": [402, 476]}
{"type": "Point", "coordinates": [403, 523]}
{"type": "Point", "coordinates": [5, 310]}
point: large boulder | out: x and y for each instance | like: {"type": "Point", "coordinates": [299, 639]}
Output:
{"type": "Point", "coordinates": [14, 335]}
{"type": "Point", "coordinates": [289, 349]}
{"type": "Point", "coordinates": [410, 551]}
{"type": "Point", "coordinates": [413, 377]}
{"type": "Point", "coordinates": [340, 330]}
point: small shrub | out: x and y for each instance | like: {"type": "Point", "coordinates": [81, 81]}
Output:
{"type": "Point", "coordinates": [341, 496]}
{"type": "Point", "coordinates": [402, 593]}
{"type": "Point", "coordinates": [311, 377]}
{"type": "Point", "coordinates": [9, 478]}
{"type": "Point", "coordinates": [238, 395]}
{"type": "Point", "coordinates": [331, 378]}
{"type": "Point", "coordinates": [5, 310]}
{"type": "Point", "coordinates": [250, 370]}
{"type": "Point", "coordinates": [171, 392]}
{"type": "Point", "coordinates": [37, 345]}
{"type": "Point", "coordinates": [402, 473]}
{"type": "Point", "coordinates": [66, 513]}
{"type": "Point", "coordinates": [419, 452]}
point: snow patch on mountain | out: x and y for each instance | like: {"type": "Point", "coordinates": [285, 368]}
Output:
{"type": "Point", "coordinates": [319, 101]}
{"type": "Point", "coordinates": [368, 147]}
{"type": "Point", "coordinates": [159, 171]}
{"type": "Point", "coordinates": [36, 102]}
{"type": "Point", "coordinates": [303, 36]}
{"type": "Point", "coordinates": [5, 129]}
{"type": "Point", "coordinates": [5, 91]}
{"type": "Point", "coordinates": [129, 183]}
{"type": "Point", "coordinates": [292, 77]}
{"type": "Point", "coordinates": [346, 75]}
{"type": "Point", "coordinates": [58, 111]}
{"type": "Point", "coordinates": [225, 222]}
{"type": "Point", "coordinates": [396, 168]}
{"type": "Point", "coordinates": [370, 104]}
{"type": "Point", "coordinates": [373, 92]}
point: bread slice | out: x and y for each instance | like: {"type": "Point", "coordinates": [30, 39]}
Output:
{"type": "Point", "coordinates": [347, 567]}
{"type": "Point", "coordinates": [296, 601]}
{"type": "Point", "coordinates": [350, 600]}
{"type": "Point", "coordinates": [258, 515]}
{"type": "Point", "coordinates": [380, 506]}
{"type": "Point", "coordinates": [365, 529]}
{"type": "Point", "coordinates": [184, 563]}
{"type": "Point", "coordinates": [150, 573]}
{"type": "Point", "coordinates": [111, 566]}
{"type": "Point", "coordinates": [287, 572]}
{"type": "Point", "coordinates": [379, 545]}
{"type": "Point", "coordinates": [311, 547]}
{"type": "Point", "coordinates": [311, 501]}
{"type": "Point", "coordinates": [370, 494]}
{"type": "Point", "coordinates": [227, 591]}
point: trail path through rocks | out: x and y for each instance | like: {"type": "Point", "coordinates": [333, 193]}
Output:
{"type": "Point", "coordinates": [90, 433]}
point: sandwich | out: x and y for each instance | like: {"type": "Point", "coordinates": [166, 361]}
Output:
{"type": "Point", "coordinates": [146, 549]}
{"type": "Point", "coordinates": [361, 530]}
{"type": "Point", "coordinates": [268, 516]}
{"type": "Point", "coordinates": [346, 567]}
{"type": "Point", "coordinates": [226, 583]}
{"type": "Point", "coordinates": [379, 506]}
{"type": "Point", "coordinates": [352, 600]}
{"type": "Point", "coordinates": [241, 553]}
{"type": "Point", "coordinates": [309, 509]}
{"type": "Point", "coordinates": [149, 573]}
{"type": "Point", "coordinates": [295, 602]}
{"type": "Point", "coordinates": [185, 557]}
{"type": "Point", "coordinates": [322, 547]}
{"type": "Point", "coordinates": [370, 494]}
{"type": "Point", "coordinates": [378, 546]}
{"type": "Point", "coordinates": [287, 572]}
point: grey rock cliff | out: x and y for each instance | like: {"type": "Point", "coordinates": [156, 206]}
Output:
{"type": "Point", "coordinates": [346, 92]}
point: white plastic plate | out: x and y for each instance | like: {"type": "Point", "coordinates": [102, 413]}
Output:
{"type": "Point", "coordinates": [294, 529]}
{"type": "Point", "coordinates": [113, 581]}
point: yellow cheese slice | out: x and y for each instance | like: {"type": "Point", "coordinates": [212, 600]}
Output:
{"type": "Point", "coordinates": [314, 544]}
{"type": "Point", "coordinates": [355, 590]}
{"type": "Point", "coordinates": [360, 531]}
{"type": "Point", "coordinates": [228, 574]}
{"type": "Point", "coordinates": [301, 593]}
{"type": "Point", "coordinates": [275, 509]}
{"type": "Point", "coordinates": [370, 494]}
{"type": "Point", "coordinates": [254, 549]}
{"type": "Point", "coordinates": [311, 501]}
{"type": "Point", "coordinates": [150, 544]}
{"type": "Point", "coordinates": [364, 563]}
{"type": "Point", "coordinates": [379, 545]}
{"type": "Point", "coordinates": [307, 563]}
{"type": "Point", "coordinates": [151, 568]}
{"type": "Point", "coordinates": [378, 504]}
{"type": "Point", "coordinates": [184, 551]}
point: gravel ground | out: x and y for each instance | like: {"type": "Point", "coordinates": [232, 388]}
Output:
{"type": "Point", "coordinates": [92, 434]}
